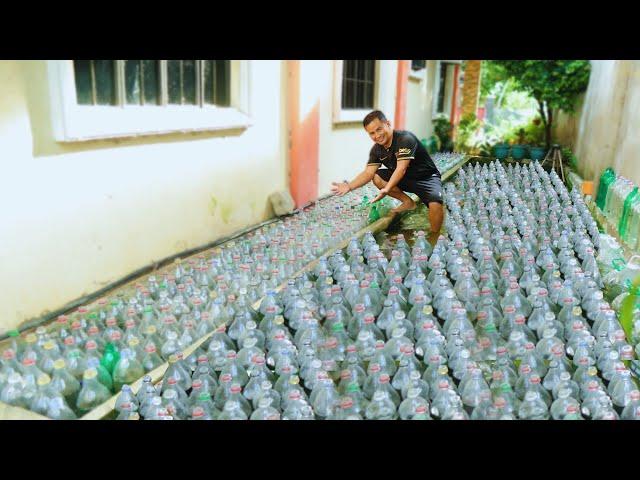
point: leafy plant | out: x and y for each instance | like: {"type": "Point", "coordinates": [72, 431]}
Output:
{"type": "Point", "coordinates": [467, 128]}
{"type": "Point", "coordinates": [443, 130]}
{"type": "Point", "coordinates": [555, 84]}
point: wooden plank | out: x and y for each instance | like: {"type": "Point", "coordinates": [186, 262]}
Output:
{"type": "Point", "coordinates": [9, 412]}
{"type": "Point", "coordinates": [450, 173]}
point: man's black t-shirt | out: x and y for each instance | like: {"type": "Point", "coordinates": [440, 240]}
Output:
{"type": "Point", "coordinates": [405, 147]}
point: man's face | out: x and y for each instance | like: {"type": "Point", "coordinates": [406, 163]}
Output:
{"type": "Point", "coordinates": [380, 132]}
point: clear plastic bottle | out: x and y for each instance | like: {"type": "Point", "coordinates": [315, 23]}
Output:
{"type": "Point", "coordinates": [232, 411]}
{"type": "Point", "coordinates": [414, 405]}
{"type": "Point", "coordinates": [127, 370]}
{"type": "Point", "coordinates": [265, 411]}
{"type": "Point", "coordinates": [93, 393]}
{"type": "Point", "coordinates": [126, 400]}
{"type": "Point", "coordinates": [381, 407]}
{"type": "Point", "coordinates": [533, 407]}
{"type": "Point", "coordinates": [324, 398]}
{"type": "Point", "coordinates": [565, 407]}
{"type": "Point", "coordinates": [632, 410]}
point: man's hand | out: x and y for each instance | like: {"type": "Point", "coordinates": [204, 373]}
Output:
{"type": "Point", "coordinates": [383, 193]}
{"type": "Point", "coordinates": [340, 188]}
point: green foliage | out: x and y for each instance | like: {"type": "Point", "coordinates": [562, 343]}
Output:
{"type": "Point", "coordinates": [569, 157]}
{"type": "Point", "coordinates": [443, 130]}
{"type": "Point", "coordinates": [531, 134]}
{"type": "Point", "coordinates": [492, 79]}
{"type": "Point", "coordinates": [556, 83]}
{"type": "Point", "coordinates": [468, 127]}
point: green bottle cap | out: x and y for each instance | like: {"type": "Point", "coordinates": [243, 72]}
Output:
{"type": "Point", "coordinates": [337, 327]}
{"type": "Point", "coordinates": [353, 387]}
{"type": "Point", "coordinates": [505, 387]}
{"type": "Point", "coordinates": [14, 333]}
{"type": "Point", "coordinates": [490, 328]}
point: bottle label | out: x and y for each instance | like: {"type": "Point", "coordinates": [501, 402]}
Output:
{"type": "Point", "coordinates": [421, 409]}
{"type": "Point", "coordinates": [571, 409]}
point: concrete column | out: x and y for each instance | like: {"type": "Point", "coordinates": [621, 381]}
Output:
{"type": "Point", "coordinates": [401, 94]}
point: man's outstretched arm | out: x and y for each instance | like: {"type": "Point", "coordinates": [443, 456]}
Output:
{"type": "Point", "coordinates": [340, 188]}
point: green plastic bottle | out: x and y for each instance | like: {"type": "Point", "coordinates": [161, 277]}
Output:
{"type": "Point", "coordinates": [626, 210]}
{"type": "Point", "coordinates": [383, 206]}
{"type": "Point", "coordinates": [16, 344]}
{"type": "Point", "coordinates": [374, 214]}
{"type": "Point", "coordinates": [606, 179]}
{"type": "Point", "coordinates": [110, 357]}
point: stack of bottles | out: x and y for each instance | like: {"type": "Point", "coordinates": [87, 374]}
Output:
{"type": "Point", "coordinates": [70, 367]}
{"type": "Point", "coordinates": [503, 319]}
{"type": "Point", "coordinates": [619, 200]}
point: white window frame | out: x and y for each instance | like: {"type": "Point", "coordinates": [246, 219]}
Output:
{"type": "Point", "coordinates": [448, 88]}
{"type": "Point", "coordinates": [418, 75]}
{"type": "Point", "coordinates": [341, 115]}
{"type": "Point", "coordinates": [77, 123]}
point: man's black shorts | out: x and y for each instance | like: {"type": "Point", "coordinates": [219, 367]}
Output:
{"type": "Point", "coordinates": [428, 189]}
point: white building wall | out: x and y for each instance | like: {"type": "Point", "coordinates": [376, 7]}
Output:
{"type": "Point", "coordinates": [76, 217]}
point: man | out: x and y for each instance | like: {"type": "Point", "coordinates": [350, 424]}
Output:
{"type": "Point", "coordinates": [409, 168]}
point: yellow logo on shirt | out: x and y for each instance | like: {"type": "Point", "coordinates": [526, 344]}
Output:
{"type": "Point", "coordinates": [404, 151]}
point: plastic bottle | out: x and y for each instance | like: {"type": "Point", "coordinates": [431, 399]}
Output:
{"type": "Point", "coordinates": [265, 411]}
{"type": "Point", "coordinates": [93, 393]}
{"type": "Point", "coordinates": [381, 407]}
{"type": "Point", "coordinates": [127, 370]}
{"type": "Point", "coordinates": [533, 407]}
{"type": "Point", "coordinates": [126, 400]}
{"type": "Point", "coordinates": [414, 405]}
{"type": "Point", "coordinates": [232, 411]}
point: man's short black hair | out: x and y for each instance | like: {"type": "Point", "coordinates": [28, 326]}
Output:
{"type": "Point", "coordinates": [372, 116]}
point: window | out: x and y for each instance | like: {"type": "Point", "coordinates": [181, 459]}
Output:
{"type": "Point", "coordinates": [418, 64]}
{"type": "Point", "coordinates": [442, 83]}
{"type": "Point", "coordinates": [139, 82]}
{"type": "Point", "coordinates": [96, 99]}
{"type": "Point", "coordinates": [356, 88]}
{"type": "Point", "coordinates": [357, 84]}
